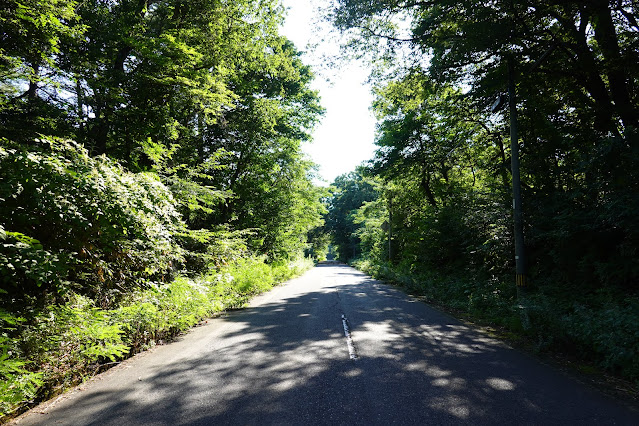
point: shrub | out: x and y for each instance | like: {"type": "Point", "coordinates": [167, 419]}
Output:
{"type": "Point", "coordinates": [17, 382]}
{"type": "Point", "coordinates": [121, 224]}
{"type": "Point", "coordinates": [608, 335]}
{"type": "Point", "coordinates": [251, 276]}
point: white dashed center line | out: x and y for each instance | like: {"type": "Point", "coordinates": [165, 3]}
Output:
{"type": "Point", "coordinates": [349, 341]}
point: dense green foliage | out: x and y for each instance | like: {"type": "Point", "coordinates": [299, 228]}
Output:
{"type": "Point", "coordinates": [123, 225]}
{"type": "Point", "coordinates": [151, 174]}
{"type": "Point", "coordinates": [442, 166]}
{"type": "Point", "coordinates": [349, 193]}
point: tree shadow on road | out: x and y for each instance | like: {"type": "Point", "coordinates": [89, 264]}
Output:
{"type": "Point", "coordinates": [286, 362]}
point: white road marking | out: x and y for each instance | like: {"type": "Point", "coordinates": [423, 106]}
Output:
{"type": "Point", "coordinates": [349, 341]}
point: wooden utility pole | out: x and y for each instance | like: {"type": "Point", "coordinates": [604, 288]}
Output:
{"type": "Point", "coordinates": [390, 230]}
{"type": "Point", "coordinates": [520, 248]}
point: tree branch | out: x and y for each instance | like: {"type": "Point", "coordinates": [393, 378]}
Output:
{"type": "Point", "coordinates": [387, 37]}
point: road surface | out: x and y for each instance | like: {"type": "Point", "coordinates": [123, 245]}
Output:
{"type": "Point", "coordinates": [333, 347]}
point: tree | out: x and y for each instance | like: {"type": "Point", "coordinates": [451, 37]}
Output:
{"type": "Point", "coordinates": [577, 105]}
{"type": "Point", "coordinates": [349, 193]}
{"type": "Point", "coordinates": [31, 39]}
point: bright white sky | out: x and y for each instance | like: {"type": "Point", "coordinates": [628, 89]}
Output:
{"type": "Point", "coordinates": [345, 137]}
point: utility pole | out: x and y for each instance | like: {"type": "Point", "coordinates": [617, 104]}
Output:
{"type": "Point", "coordinates": [520, 249]}
{"type": "Point", "coordinates": [390, 229]}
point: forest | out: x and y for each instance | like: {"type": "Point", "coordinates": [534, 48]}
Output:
{"type": "Point", "coordinates": [152, 172]}
{"type": "Point", "coordinates": [456, 82]}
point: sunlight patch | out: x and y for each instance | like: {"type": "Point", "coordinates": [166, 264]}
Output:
{"type": "Point", "coordinates": [500, 384]}
{"type": "Point", "coordinates": [437, 372]}
{"type": "Point", "coordinates": [416, 366]}
{"type": "Point", "coordinates": [353, 372]}
{"type": "Point", "coordinates": [461, 412]}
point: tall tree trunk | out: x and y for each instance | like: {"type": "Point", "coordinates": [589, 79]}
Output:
{"type": "Point", "coordinates": [607, 40]}
{"type": "Point", "coordinates": [503, 167]}
{"type": "Point", "coordinates": [101, 127]}
{"type": "Point", "coordinates": [588, 73]}
{"type": "Point", "coordinates": [79, 94]}
{"type": "Point", "coordinates": [32, 91]}
{"type": "Point", "coordinates": [425, 184]}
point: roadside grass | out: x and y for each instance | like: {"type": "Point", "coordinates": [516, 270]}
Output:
{"type": "Point", "coordinates": [63, 345]}
{"type": "Point", "coordinates": [596, 335]}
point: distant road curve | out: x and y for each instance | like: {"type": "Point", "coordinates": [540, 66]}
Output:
{"type": "Point", "coordinates": [332, 347]}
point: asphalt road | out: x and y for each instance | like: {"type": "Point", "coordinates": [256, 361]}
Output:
{"type": "Point", "coordinates": [286, 360]}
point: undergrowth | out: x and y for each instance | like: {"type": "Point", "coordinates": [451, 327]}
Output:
{"type": "Point", "coordinates": [595, 328]}
{"type": "Point", "coordinates": [62, 345]}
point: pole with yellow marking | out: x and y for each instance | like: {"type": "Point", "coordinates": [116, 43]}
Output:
{"type": "Point", "coordinates": [520, 249]}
